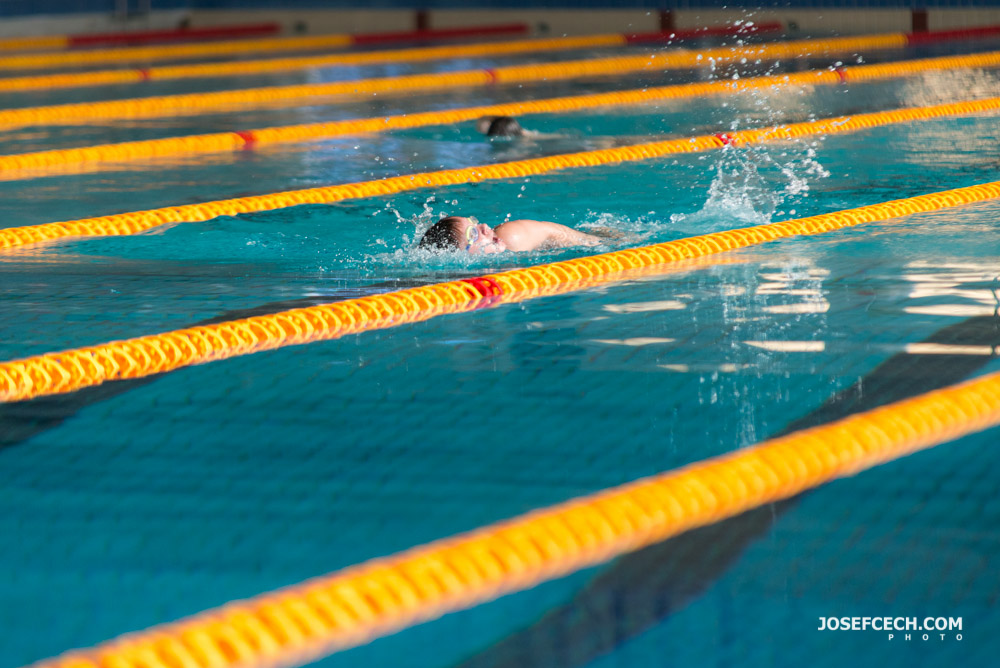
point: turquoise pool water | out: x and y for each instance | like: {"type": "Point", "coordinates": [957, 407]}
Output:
{"type": "Point", "coordinates": [139, 502]}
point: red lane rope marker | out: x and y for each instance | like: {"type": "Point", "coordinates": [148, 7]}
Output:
{"type": "Point", "coordinates": [490, 290]}
{"type": "Point", "coordinates": [946, 35]}
{"type": "Point", "coordinates": [488, 287]}
{"type": "Point", "coordinates": [248, 138]}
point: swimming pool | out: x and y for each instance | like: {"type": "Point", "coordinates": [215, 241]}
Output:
{"type": "Point", "coordinates": [138, 502]}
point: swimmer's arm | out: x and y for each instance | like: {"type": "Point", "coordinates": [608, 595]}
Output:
{"type": "Point", "coordinates": [563, 236]}
{"type": "Point", "coordinates": [523, 235]}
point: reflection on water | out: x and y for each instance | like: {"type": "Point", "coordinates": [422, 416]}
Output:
{"type": "Point", "coordinates": [966, 289]}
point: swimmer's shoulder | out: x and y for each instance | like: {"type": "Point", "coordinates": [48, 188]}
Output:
{"type": "Point", "coordinates": [524, 234]}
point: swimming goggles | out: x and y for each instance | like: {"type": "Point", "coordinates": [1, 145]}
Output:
{"type": "Point", "coordinates": [471, 234]}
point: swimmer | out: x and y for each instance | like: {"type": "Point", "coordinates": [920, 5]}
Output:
{"type": "Point", "coordinates": [468, 234]}
{"type": "Point", "coordinates": [500, 126]}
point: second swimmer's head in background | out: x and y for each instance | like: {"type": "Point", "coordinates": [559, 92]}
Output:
{"type": "Point", "coordinates": [499, 126]}
{"type": "Point", "coordinates": [461, 233]}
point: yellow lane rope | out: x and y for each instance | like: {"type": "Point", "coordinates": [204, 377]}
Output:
{"type": "Point", "coordinates": [135, 37]}
{"type": "Point", "coordinates": [251, 67]}
{"type": "Point", "coordinates": [204, 102]}
{"type": "Point", "coordinates": [44, 60]}
{"type": "Point", "coordinates": [301, 623]}
{"type": "Point", "coordinates": [671, 60]}
{"type": "Point", "coordinates": [212, 49]}
{"type": "Point", "coordinates": [139, 221]}
{"type": "Point", "coordinates": [62, 160]}
{"type": "Point", "coordinates": [71, 370]}
{"type": "Point", "coordinates": [31, 43]}
{"type": "Point", "coordinates": [57, 159]}
{"type": "Point", "coordinates": [169, 51]}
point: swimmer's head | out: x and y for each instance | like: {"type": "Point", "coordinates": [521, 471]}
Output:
{"type": "Point", "coordinates": [461, 233]}
{"type": "Point", "coordinates": [483, 123]}
{"type": "Point", "coordinates": [499, 126]}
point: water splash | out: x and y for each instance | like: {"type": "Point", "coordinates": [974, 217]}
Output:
{"type": "Point", "coordinates": [621, 230]}
{"type": "Point", "coordinates": [403, 256]}
{"type": "Point", "coordinates": [423, 219]}
{"type": "Point", "coordinates": [753, 184]}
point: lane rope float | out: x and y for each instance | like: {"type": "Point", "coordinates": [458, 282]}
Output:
{"type": "Point", "coordinates": [132, 37]}
{"type": "Point", "coordinates": [193, 103]}
{"type": "Point", "coordinates": [256, 67]}
{"type": "Point", "coordinates": [61, 160]}
{"type": "Point", "coordinates": [140, 221]}
{"type": "Point", "coordinates": [277, 44]}
{"type": "Point", "coordinates": [56, 42]}
{"type": "Point", "coordinates": [81, 58]}
{"type": "Point", "coordinates": [70, 370]}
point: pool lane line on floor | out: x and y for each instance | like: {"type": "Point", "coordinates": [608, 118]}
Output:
{"type": "Point", "coordinates": [303, 622]}
{"type": "Point", "coordinates": [63, 161]}
{"type": "Point", "coordinates": [196, 103]}
{"type": "Point", "coordinates": [140, 221]}
{"type": "Point", "coordinates": [239, 47]}
{"type": "Point", "coordinates": [70, 370]}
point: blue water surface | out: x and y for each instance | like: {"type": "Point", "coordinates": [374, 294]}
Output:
{"type": "Point", "coordinates": [139, 502]}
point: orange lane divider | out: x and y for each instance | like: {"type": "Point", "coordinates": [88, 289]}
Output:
{"type": "Point", "coordinates": [34, 43]}
{"type": "Point", "coordinates": [55, 42]}
{"type": "Point", "coordinates": [254, 67]}
{"type": "Point", "coordinates": [139, 221]}
{"type": "Point", "coordinates": [178, 52]}
{"type": "Point", "coordinates": [202, 102]}
{"type": "Point", "coordinates": [62, 160]}
{"type": "Point", "coordinates": [71, 370]}
{"type": "Point", "coordinates": [149, 53]}
{"type": "Point", "coordinates": [281, 44]}
{"type": "Point", "coordinates": [141, 36]}
{"type": "Point", "coordinates": [172, 51]}
{"type": "Point", "coordinates": [218, 49]}
{"type": "Point", "coordinates": [303, 622]}
{"type": "Point", "coordinates": [678, 58]}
